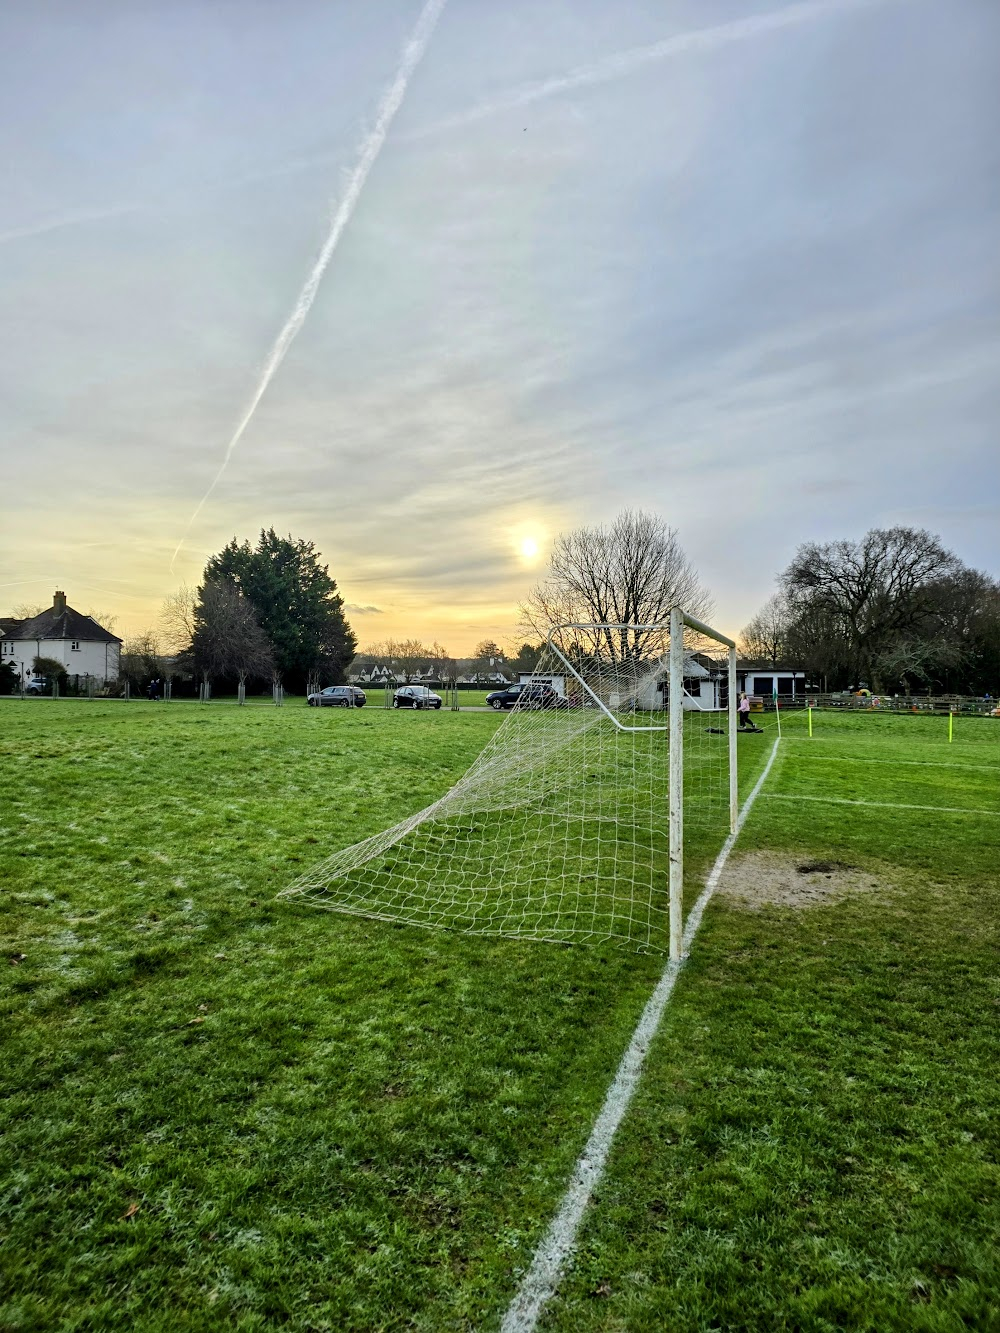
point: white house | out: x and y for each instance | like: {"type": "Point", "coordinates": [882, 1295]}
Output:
{"type": "Point", "coordinates": [704, 685]}
{"type": "Point", "coordinates": [763, 680]}
{"type": "Point", "coordinates": [379, 674]}
{"type": "Point", "coordinates": [558, 682]}
{"type": "Point", "coordinates": [82, 646]}
{"type": "Point", "coordinates": [370, 673]}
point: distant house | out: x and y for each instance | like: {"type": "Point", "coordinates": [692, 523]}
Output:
{"type": "Point", "coordinates": [369, 673]}
{"type": "Point", "coordinates": [704, 686]}
{"type": "Point", "coordinates": [755, 678]}
{"type": "Point", "coordinates": [82, 646]}
{"type": "Point", "coordinates": [487, 678]}
{"type": "Point", "coordinates": [363, 672]}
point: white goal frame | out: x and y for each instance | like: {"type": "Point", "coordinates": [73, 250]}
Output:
{"type": "Point", "coordinates": [679, 619]}
{"type": "Point", "coordinates": [563, 828]}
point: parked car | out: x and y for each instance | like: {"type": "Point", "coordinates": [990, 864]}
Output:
{"type": "Point", "coordinates": [416, 696]}
{"type": "Point", "coordinates": [338, 696]}
{"type": "Point", "coordinates": [526, 694]}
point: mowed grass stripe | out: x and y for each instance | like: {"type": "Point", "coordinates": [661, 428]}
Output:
{"type": "Point", "coordinates": [816, 757]}
{"type": "Point", "coordinates": [804, 773]}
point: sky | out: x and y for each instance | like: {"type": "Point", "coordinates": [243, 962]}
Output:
{"type": "Point", "coordinates": [733, 262]}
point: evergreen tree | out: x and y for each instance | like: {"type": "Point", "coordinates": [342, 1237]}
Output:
{"type": "Point", "coordinates": [296, 603]}
{"type": "Point", "coordinates": [526, 658]}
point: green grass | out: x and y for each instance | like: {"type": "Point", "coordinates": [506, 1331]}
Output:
{"type": "Point", "coordinates": [559, 832]}
{"type": "Point", "coordinates": [815, 1141]}
{"type": "Point", "coordinates": [219, 1112]}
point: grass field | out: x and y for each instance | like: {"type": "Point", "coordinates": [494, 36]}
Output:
{"type": "Point", "coordinates": [220, 1112]}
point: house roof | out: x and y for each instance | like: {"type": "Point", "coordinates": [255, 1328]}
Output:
{"type": "Point", "coordinates": [67, 624]}
{"type": "Point", "coordinates": [767, 668]}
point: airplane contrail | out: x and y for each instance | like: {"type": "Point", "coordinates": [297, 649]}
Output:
{"type": "Point", "coordinates": [599, 71]}
{"type": "Point", "coordinates": [371, 146]}
{"type": "Point", "coordinates": [625, 62]}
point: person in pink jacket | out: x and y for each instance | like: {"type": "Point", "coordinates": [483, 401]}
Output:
{"type": "Point", "coordinates": [744, 710]}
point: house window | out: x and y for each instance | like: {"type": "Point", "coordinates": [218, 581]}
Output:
{"type": "Point", "coordinates": [75, 646]}
{"type": "Point", "coordinates": [763, 685]}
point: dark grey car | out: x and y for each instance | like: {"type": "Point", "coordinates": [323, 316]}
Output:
{"type": "Point", "coordinates": [338, 696]}
{"type": "Point", "coordinates": [416, 696]}
{"type": "Point", "coordinates": [527, 694]}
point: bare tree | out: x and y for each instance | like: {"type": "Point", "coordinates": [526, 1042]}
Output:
{"type": "Point", "coordinates": [764, 638]}
{"type": "Point", "coordinates": [816, 642]}
{"type": "Point", "coordinates": [442, 662]}
{"type": "Point", "coordinates": [227, 638]}
{"type": "Point", "coordinates": [489, 660]}
{"type": "Point", "coordinates": [408, 657]}
{"type": "Point", "coordinates": [634, 573]}
{"type": "Point", "coordinates": [106, 619]}
{"type": "Point", "coordinates": [879, 592]}
{"type": "Point", "coordinates": [140, 659]}
{"type": "Point", "coordinates": [177, 619]}
{"type": "Point", "coordinates": [915, 659]}
{"type": "Point", "coordinates": [369, 657]}
{"type": "Point", "coordinates": [969, 615]}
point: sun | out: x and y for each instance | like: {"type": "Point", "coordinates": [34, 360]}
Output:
{"type": "Point", "coordinates": [527, 540]}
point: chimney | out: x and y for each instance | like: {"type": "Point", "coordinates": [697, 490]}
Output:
{"type": "Point", "coordinates": [59, 604]}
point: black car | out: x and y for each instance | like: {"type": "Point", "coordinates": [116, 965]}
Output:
{"type": "Point", "coordinates": [416, 696]}
{"type": "Point", "coordinates": [338, 696]}
{"type": "Point", "coordinates": [527, 694]}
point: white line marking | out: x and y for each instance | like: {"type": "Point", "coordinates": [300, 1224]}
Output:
{"type": "Point", "coordinates": [542, 1279]}
{"type": "Point", "coordinates": [911, 763]}
{"type": "Point", "coordinates": [886, 805]}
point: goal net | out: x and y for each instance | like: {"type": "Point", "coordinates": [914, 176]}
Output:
{"type": "Point", "coordinates": [571, 825]}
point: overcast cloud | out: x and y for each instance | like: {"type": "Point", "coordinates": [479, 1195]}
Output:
{"type": "Point", "coordinates": [747, 278]}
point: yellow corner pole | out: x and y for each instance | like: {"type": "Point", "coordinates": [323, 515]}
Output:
{"type": "Point", "coordinates": [809, 710]}
{"type": "Point", "coordinates": [951, 724]}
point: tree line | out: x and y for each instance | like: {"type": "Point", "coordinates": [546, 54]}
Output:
{"type": "Point", "coordinates": [406, 659]}
{"type": "Point", "coordinates": [894, 611]}
{"type": "Point", "coordinates": [268, 611]}
{"type": "Point", "coordinates": [271, 612]}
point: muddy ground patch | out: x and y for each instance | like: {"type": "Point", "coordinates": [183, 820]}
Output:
{"type": "Point", "coordinates": [783, 879]}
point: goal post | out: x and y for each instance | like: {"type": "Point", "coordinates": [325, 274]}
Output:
{"type": "Point", "coordinates": [678, 621]}
{"type": "Point", "coordinates": [571, 823]}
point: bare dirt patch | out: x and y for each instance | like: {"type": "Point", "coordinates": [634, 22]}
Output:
{"type": "Point", "coordinates": [778, 879]}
